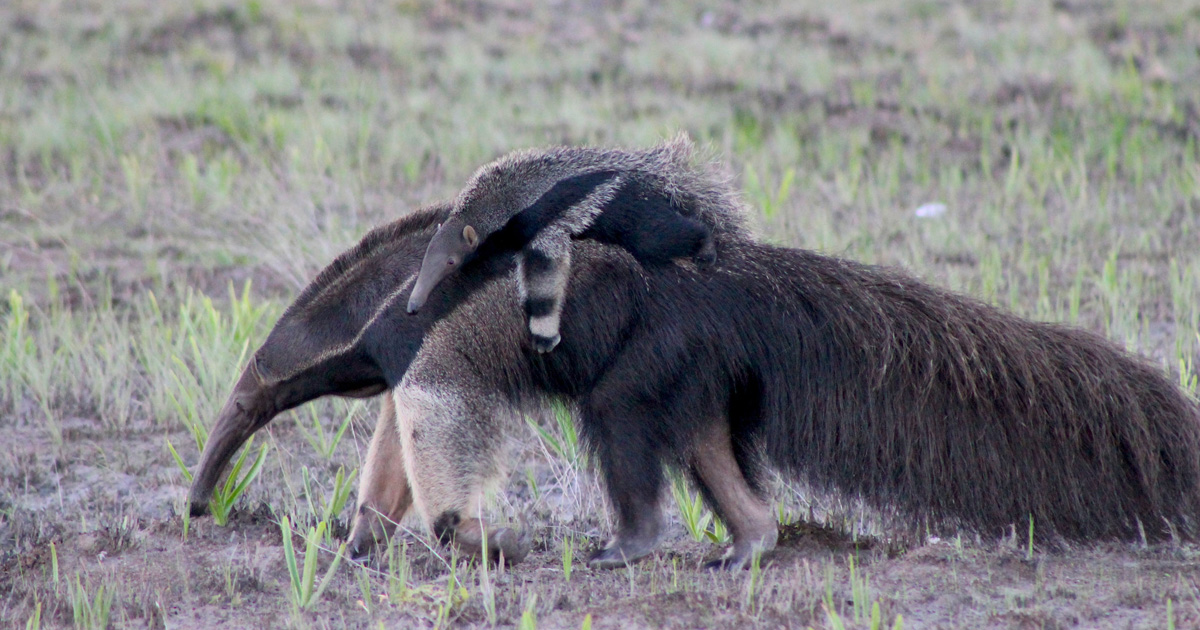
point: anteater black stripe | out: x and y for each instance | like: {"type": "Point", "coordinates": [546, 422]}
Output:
{"type": "Point", "coordinates": [545, 211]}
{"type": "Point", "coordinates": [539, 306]}
{"type": "Point", "coordinates": [537, 263]}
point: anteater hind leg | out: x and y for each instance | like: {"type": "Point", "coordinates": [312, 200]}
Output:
{"type": "Point", "coordinates": [632, 468]}
{"type": "Point", "coordinates": [452, 438]}
{"type": "Point", "coordinates": [544, 266]}
{"type": "Point", "coordinates": [715, 469]}
{"type": "Point", "coordinates": [384, 495]}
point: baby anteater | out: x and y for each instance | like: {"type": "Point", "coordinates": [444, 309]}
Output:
{"type": "Point", "coordinates": [656, 203]}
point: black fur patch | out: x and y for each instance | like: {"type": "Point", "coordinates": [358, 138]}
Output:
{"type": "Point", "coordinates": [521, 229]}
{"type": "Point", "coordinates": [538, 263]}
{"type": "Point", "coordinates": [539, 307]}
{"type": "Point", "coordinates": [445, 525]}
{"type": "Point", "coordinates": [644, 221]}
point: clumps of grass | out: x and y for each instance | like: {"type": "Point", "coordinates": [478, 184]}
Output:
{"type": "Point", "coordinates": [142, 363]}
{"type": "Point", "coordinates": [754, 583]}
{"type": "Point", "coordinates": [24, 369]}
{"type": "Point", "coordinates": [568, 557]}
{"type": "Point", "coordinates": [563, 440]}
{"type": "Point", "coordinates": [325, 510]}
{"type": "Point", "coordinates": [35, 618]}
{"type": "Point", "coordinates": [90, 609]}
{"type": "Point", "coordinates": [399, 572]}
{"type": "Point", "coordinates": [864, 610]}
{"type": "Point", "coordinates": [529, 615]}
{"type": "Point", "coordinates": [305, 591]}
{"type": "Point", "coordinates": [325, 444]}
{"type": "Point", "coordinates": [487, 588]}
{"type": "Point", "coordinates": [452, 598]}
{"type": "Point", "coordinates": [698, 520]}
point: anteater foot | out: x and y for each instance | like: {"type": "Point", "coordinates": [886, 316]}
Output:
{"type": "Point", "coordinates": [468, 535]}
{"type": "Point", "coordinates": [611, 558]}
{"type": "Point", "coordinates": [509, 543]}
{"type": "Point", "coordinates": [619, 555]}
{"type": "Point", "coordinates": [706, 255]}
{"type": "Point", "coordinates": [734, 562]}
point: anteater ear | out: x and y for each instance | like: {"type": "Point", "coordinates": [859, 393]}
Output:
{"type": "Point", "coordinates": [470, 237]}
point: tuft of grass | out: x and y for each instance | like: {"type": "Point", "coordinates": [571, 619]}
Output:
{"type": "Point", "coordinates": [34, 622]}
{"type": "Point", "coordinates": [568, 557]}
{"type": "Point", "coordinates": [1029, 544]}
{"type": "Point", "coordinates": [700, 523]}
{"type": "Point", "coordinates": [314, 432]}
{"type": "Point", "coordinates": [90, 610]}
{"type": "Point", "coordinates": [54, 565]}
{"type": "Point", "coordinates": [864, 610]}
{"type": "Point", "coordinates": [563, 438]}
{"type": "Point", "coordinates": [306, 591]}
{"type": "Point", "coordinates": [529, 615]}
{"type": "Point", "coordinates": [399, 571]}
{"type": "Point", "coordinates": [754, 582]}
{"type": "Point", "coordinates": [327, 509]}
{"type": "Point", "coordinates": [487, 588]}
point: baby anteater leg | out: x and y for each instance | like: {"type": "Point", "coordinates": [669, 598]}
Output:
{"type": "Point", "coordinates": [748, 516]}
{"type": "Point", "coordinates": [544, 266]}
{"type": "Point", "coordinates": [384, 495]}
{"type": "Point", "coordinates": [451, 434]}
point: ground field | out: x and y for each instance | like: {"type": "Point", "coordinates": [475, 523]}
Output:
{"type": "Point", "coordinates": [172, 173]}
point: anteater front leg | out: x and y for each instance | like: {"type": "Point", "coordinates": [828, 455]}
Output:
{"type": "Point", "coordinates": [544, 266]}
{"type": "Point", "coordinates": [451, 433]}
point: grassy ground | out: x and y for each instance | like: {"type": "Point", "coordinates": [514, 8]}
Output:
{"type": "Point", "coordinates": [173, 172]}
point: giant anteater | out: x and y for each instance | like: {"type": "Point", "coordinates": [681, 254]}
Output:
{"type": "Point", "coordinates": [851, 377]}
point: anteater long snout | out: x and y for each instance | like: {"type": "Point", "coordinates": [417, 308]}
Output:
{"type": "Point", "coordinates": [244, 412]}
{"type": "Point", "coordinates": [435, 268]}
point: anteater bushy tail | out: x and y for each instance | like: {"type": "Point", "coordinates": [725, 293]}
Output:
{"type": "Point", "coordinates": [913, 396]}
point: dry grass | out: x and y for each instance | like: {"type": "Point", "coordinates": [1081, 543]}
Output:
{"type": "Point", "coordinates": [156, 154]}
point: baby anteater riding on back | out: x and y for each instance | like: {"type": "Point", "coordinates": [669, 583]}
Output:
{"type": "Point", "coordinates": [657, 203]}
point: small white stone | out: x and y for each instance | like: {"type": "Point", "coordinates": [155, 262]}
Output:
{"type": "Point", "coordinates": [931, 210]}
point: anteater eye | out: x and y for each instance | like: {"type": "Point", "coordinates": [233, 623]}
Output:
{"type": "Point", "coordinates": [451, 262]}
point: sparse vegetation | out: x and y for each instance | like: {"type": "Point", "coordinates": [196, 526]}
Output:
{"type": "Point", "coordinates": [174, 172]}
{"type": "Point", "coordinates": [306, 591]}
{"type": "Point", "coordinates": [90, 605]}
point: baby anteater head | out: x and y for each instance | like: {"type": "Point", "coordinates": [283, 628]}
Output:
{"type": "Point", "coordinates": [454, 244]}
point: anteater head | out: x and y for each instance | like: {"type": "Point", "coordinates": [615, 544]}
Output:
{"type": "Point", "coordinates": [453, 245]}
{"type": "Point", "coordinates": [346, 335]}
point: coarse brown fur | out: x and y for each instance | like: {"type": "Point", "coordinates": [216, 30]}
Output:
{"type": "Point", "coordinates": [854, 378]}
